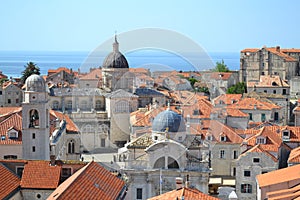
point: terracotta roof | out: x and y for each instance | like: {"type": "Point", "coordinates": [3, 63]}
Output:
{"type": "Point", "coordinates": [292, 50]}
{"type": "Point", "coordinates": [289, 193]}
{"type": "Point", "coordinates": [40, 175]}
{"type": "Point", "coordinates": [13, 121]}
{"type": "Point", "coordinates": [282, 54]}
{"type": "Point", "coordinates": [52, 71]}
{"type": "Point", "coordinates": [199, 109]}
{"type": "Point", "coordinates": [294, 156]}
{"type": "Point", "coordinates": [261, 149]}
{"type": "Point", "coordinates": [253, 104]}
{"type": "Point", "coordinates": [253, 50]}
{"type": "Point", "coordinates": [90, 182]}
{"type": "Point", "coordinates": [279, 176]}
{"type": "Point", "coordinates": [95, 74]}
{"type": "Point", "coordinates": [9, 182]}
{"type": "Point", "coordinates": [220, 75]}
{"type": "Point", "coordinates": [227, 99]}
{"type": "Point", "coordinates": [9, 110]}
{"type": "Point", "coordinates": [268, 81]}
{"type": "Point", "coordinates": [2, 75]}
{"type": "Point", "coordinates": [216, 129]}
{"type": "Point", "coordinates": [139, 70]}
{"type": "Point", "coordinates": [184, 193]}
{"type": "Point", "coordinates": [71, 126]}
{"type": "Point", "coordinates": [223, 112]}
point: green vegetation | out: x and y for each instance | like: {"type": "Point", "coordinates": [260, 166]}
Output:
{"type": "Point", "coordinates": [192, 81]}
{"type": "Point", "coordinates": [30, 69]}
{"type": "Point", "coordinates": [238, 88]}
{"type": "Point", "coordinates": [2, 80]}
{"type": "Point", "coordinates": [221, 67]}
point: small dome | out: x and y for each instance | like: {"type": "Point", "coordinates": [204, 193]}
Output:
{"type": "Point", "coordinates": [115, 60]}
{"type": "Point", "coordinates": [35, 83]}
{"type": "Point", "coordinates": [168, 119]}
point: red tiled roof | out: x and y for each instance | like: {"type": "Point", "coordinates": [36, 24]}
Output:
{"type": "Point", "coordinates": [184, 193]}
{"type": "Point", "coordinates": [216, 129]}
{"type": "Point", "coordinates": [290, 193]}
{"type": "Point", "coordinates": [261, 149]}
{"type": "Point", "coordinates": [268, 81]}
{"type": "Point", "coordinates": [93, 74]}
{"type": "Point", "coordinates": [90, 182]}
{"type": "Point", "coordinates": [227, 99]}
{"type": "Point", "coordinates": [292, 50]}
{"type": "Point", "coordinates": [15, 121]}
{"type": "Point", "coordinates": [2, 75]}
{"type": "Point", "coordinates": [139, 70]}
{"type": "Point", "coordinates": [253, 104]}
{"type": "Point", "coordinates": [279, 176]}
{"type": "Point", "coordinates": [8, 182]}
{"type": "Point", "coordinates": [253, 50]}
{"type": "Point", "coordinates": [294, 156]}
{"type": "Point", "coordinates": [282, 54]}
{"type": "Point", "coordinates": [52, 71]}
{"type": "Point", "coordinates": [9, 110]}
{"type": "Point", "coordinates": [40, 175]}
{"type": "Point", "coordinates": [71, 126]}
{"type": "Point", "coordinates": [220, 75]}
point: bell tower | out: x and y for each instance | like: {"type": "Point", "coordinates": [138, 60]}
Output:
{"type": "Point", "coordinates": [35, 123]}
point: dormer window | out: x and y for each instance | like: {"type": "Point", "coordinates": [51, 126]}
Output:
{"type": "Point", "coordinates": [13, 135]}
{"type": "Point", "coordinates": [221, 102]}
{"type": "Point", "coordinates": [285, 135]}
{"type": "Point", "coordinates": [196, 112]}
{"type": "Point", "coordinates": [260, 140]}
{"type": "Point", "coordinates": [209, 137]}
{"type": "Point", "coordinates": [3, 137]}
{"type": "Point", "coordinates": [223, 138]}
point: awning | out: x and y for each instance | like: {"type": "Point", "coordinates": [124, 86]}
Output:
{"type": "Point", "coordinates": [215, 181]}
{"type": "Point", "coordinates": [228, 182]}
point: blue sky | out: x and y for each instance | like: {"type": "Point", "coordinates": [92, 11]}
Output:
{"type": "Point", "coordinates": [218, 26]}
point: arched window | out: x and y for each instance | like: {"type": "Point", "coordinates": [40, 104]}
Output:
{"type": "Point", "coordinates": [98, 105]}
{"type": "Point", "coordinates": [33, 118]}
{"type": "Point", "coordinates": [55, 105]}
{"type": "Point", "coordinates": [103, 128]}
{"type": "Point", "coordinates": [69, 105]}
{"type": "Point", "coordinates": [71, 147]}
{"type": "Point", "coordinates": [160, 163]}
{"type": "Point", "coordinates": [172, 163]}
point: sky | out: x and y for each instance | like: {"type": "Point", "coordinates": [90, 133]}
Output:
{"type": "Point", "coordinates": [218, 26]}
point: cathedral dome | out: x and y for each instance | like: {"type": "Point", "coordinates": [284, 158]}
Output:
{"type": "Point", "coordinates": [170, 120]}
{"type": "Point", "coordinates": [115, 59]}
{"type": "Point", "coordinates": [35, 83]}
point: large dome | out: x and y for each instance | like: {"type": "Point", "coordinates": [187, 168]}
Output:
{"type": "Point", "coordinates": [115, 59]}
{"type": "Point", "coordinates": [168, 119]}
{"type": "Point", "coordinates": [35, 83]}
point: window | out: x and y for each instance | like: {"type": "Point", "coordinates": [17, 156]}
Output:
{"type": "Point", "coordinates": [276, 116]}
{"type": "Point", "coordinates": [180, 138]}
{"type": "Point", "coordinates": [262, 73]}
{"type": "Point", "coordinates": [98, 105]}
{"type": "Point", "coordinates": [69, 105]}
{"type": "Point", "coordinates": [286, 133]}
{"type": "Point", "coordinates": [263, 117]}
{"type": "Point", "coordinates": [235, 154]}
{"type": "Point", "coordinates": [155, 138]}
{"type": "Point", "coordinates": [250, 116]}
{"type": "Point", "coordinates": [265, 91]}
{"type": "Point", "coordinates": [246, 188]}
{"type": "Point", "coordinates": [222, 153]}
{"type": "Point", "coordinates": [33, 149]}
{"type": "Point", "coordinates": [256, 160]}
{"type": "Point", "coordinates": [247, 173]}
{"type": "Point", "coordinates": [83, 105]}
{"type": "Point", "coordinates": [33, 135]}
{"type": "Point", "coordinates": [34, 118]}
{"type": "Point", "coordinates": [71, 147]}
{"type": "Point", "coordinates": [274, 91]}
{"type": "Point", "coordinates": [196, 112]}
{"type": "Point", "coordinates": [0, 92]}
{"type": "Point", "coordinates": [103, 142]}
{"type": "Point", "coordinates": [13, 135]}
{"type": "Point", "coordinates": [17, 100]}
{"type": "Point", "coordinates": [19, 171]}
{"type": "Point", "coordinates": [139, 193]}
{"type": "Point", "coordinates": [223, 138]}
{"type": "Point", "coordinates": [55, 105]}
{"type": "Point", "coordinates": [284, 91]}
{"type": "Point", "coordinates": [10, 157]}
{"type": "Point", "coordinates": [234, 171]}
{"type": "Point", "coordinates": [9, 101]}
{"type": "Point", "coordinates": [260, 140]}
{"type": "Point", "coordinates": [66, 172]}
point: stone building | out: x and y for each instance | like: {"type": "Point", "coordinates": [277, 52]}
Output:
{"type": "Point", "coordinates": [269, 61]}
{"type": "Point", "coordinates": [10, 94]}
{"type": "Point", "coordinates": [154, 160]}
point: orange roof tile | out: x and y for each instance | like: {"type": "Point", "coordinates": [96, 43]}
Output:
{"type": "Point", "coordinates": [279, 176]}
{"type": "Point", "coordinates": [253, 104]}
{"type": "Point", "coordinates": [282, 54]}
{"type": "Point", "coordinates": [15, 121]}
{"type": "Point", "coordinates": [90, 182]}
{"type": "Point", "coordinates": [9, 110]}
{"type": "Point", "coordinates": [184, 193]}
{"type": "Point", "coordinates": [268, 81]}
{"type": "Point", "coordinates": [40, 175]}
{"type": "Point", "coordinates": [227, 99]}
{"type": "Point", "coordinates": [71, 126]}
{"type": "Point", "coordinates": [9, 182]}
{"type": "Point", "coordinates": [294, 156]}
{"type": "Point", "coordinates": [220, 75]}
{"type": "Point", "coordinates": [93, 74]}
{"type": "Point", "coordinates": [252, 50]}
{"type": "Point", "coordinates": [52, 71]}
{"type": "Point", "coordinates": [216, 128]}
{"type": "Point", "coordinates": [292, 50]}
{"type": "Point", "coordinates": [284, 193]}
{"type": "Point", "coordinates": [261, 149]}
{"type": "Point", "coordinates": [139, 70]}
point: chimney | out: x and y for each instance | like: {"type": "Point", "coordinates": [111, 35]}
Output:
{"type": "Point", "coordinates": [278, 48]}
{"type": "Point", "coordinates": [179, 182]}
{"type": "Point", "coordinates": [57, 123]}
{"type": "Point", "coordinates": [187, 182]}
{"type": "Point", "coordinates": [52, 160]}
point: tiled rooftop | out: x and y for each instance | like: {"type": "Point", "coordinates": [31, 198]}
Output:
{"type": "Point", "coordinates": [40, 175]}
{"type": "Point", "coordinates": [268, 81]}
{"type": "Point", "coordinates": [253, 104]}
{"type": "Point", "coordinates": [184, 193]}
{"type": "Point", "coordinates": [9, 182]}
{"type": "Point", "coordinates": [90, 182]}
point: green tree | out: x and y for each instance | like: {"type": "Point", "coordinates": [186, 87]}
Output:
{"type": "Point", "coordinates": [192, 81]}
{"type": "Point", "coordinates": [221, 67]}
{"type": "Point", "coordinates": [30, 69]}
{"type": "Point", "coordinates": [239, 88]}
{"type": "Point", "coordinates": [2, 80]}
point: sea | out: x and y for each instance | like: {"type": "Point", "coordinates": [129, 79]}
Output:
{"type": "Point", "coordinates": [12, 62]}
